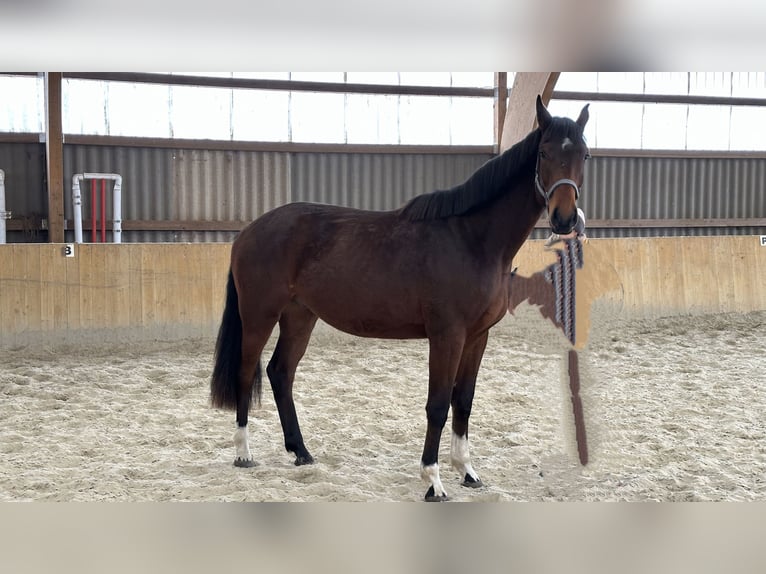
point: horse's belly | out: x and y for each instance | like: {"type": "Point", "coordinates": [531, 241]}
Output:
{"type": "Point", "coordinates": [376, 328]}
{"type": "Point", "coordinates": [358, 311]}
{"type": "Point", "coordinates": [353, 316]}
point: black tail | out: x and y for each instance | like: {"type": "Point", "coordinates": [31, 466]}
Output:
{"type": "Point", "coordinates": [224, 383]}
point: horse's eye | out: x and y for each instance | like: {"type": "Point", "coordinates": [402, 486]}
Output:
{"type": "Point", "coordinates": [543, 154]}
{"type": "Point", "coordinates": [587, 156]}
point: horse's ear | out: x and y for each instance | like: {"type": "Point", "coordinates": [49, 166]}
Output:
{"type": "Point", "coordinates": [583, 117]}
{"type": "Point", "coordinates": [543, 115]}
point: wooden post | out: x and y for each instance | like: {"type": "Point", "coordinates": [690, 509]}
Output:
{"type": "Point", "coordinates": [501, 105]}
{"type": "Point", "coordinates": [520, 119]}
{"type": "Point", "coordinates": [54, 148]}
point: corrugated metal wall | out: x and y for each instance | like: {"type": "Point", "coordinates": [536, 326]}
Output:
{"type": "Point", "coordinates": [228, 185]}
{"type": "Point", "coordinates": [146, 173]}
{"type": "Point", "coordinates": [25, 187]}
{"type": "Point", "coordinates": [674, 188]}
{"type": "Point", "coordinates": [376, 181]}
{"type": "Point", "coordinates": [202, 185]}
{"type": "Point", "coordinates": [183, 185]}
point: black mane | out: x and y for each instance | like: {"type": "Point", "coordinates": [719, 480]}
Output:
{"type": "Point", "coordinates": [491, 180]}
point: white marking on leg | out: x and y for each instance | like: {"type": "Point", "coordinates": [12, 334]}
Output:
{"type": "Point", "coordinates": [430, 474]}
{"type": "Point", "coordinates": [240, 443]}
{"type": "Point", "coordinates": [460, 457]}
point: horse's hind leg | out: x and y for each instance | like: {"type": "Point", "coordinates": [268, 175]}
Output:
{"type": "Point", "coordinates": [295, 328]}
{"type": "Point", "coordinates": [462, 399]}
{"type": "Point", "coordinates": [253, 340]}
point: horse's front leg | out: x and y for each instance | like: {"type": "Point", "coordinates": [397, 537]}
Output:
{"type": "Point", "coordinates": [444, 358]}
{"type": "Point", "coordinates": [462, 399]}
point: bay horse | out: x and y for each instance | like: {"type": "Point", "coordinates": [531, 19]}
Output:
{"type": "Point", "coordinates": [437, 268]}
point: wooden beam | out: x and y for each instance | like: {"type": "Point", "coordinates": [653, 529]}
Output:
{"type": "Point", "coordinates": [660, 99]}
{"type": "Point", "coordinates": [283, 85]}
{"type": "Point", "coordinates": [19, 224]}
{"type": "Point", "coordinates": [547, 91]}
{"type": "Point", "coordinates": [299, 147]}
{"type": "Point", "coordinates": [54, 153]}
{"type": "Point", "coordinates": [164, 225]}
{"type": "Point", "coordinates": [287, 147]}
{"type": "Point", "coordinates": [501, 105]}
{"type": "Point", "coordinates": [668, 223]}
{"type": "Point", "coordinates": [148, 225]}
{"type": "Point", "coordinates": [9, 137]}
{"type": "Point", "coordinates": [521, 118]}
{"type": "Point", "coordinates": [677, 153]}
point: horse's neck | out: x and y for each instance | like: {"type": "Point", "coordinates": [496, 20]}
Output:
{"type": "Point", "coordinates": [505, 223]}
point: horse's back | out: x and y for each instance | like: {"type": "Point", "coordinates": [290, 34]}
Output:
{"type": "Point", "coordinates": [290, 229]}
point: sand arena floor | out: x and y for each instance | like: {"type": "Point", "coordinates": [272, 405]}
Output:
{"type": "Point", "coordinates": [674, 410]}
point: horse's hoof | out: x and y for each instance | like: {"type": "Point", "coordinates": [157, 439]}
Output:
{"type": "Point", "coordinates": [244, 463]}
{"type": "Point", "coordinates": [471, 482]}
{"type": "Point", "coordinates": [431, 496]}
{"type": "Point", "coordinates": [305, 459]}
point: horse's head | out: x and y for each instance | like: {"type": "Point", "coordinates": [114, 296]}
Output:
{"type": "Point", "coordinates": [560, 166]}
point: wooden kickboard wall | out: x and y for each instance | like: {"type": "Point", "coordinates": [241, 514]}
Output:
{"type": "Point", "coordinates": [164, 291]}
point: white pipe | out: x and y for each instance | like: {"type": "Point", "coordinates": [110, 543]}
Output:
{"type": "Point", "coordinates": [117, 210]}
{"type": "Point", "coordinates": [77, 205]}
{"type": "Point", "coordinates": [116, 204]}
{"type": "Point", "coordinates": [3, 214]}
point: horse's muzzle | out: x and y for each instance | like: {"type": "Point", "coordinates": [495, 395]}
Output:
{"type": "Point", "coordinates": [561, 225]}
